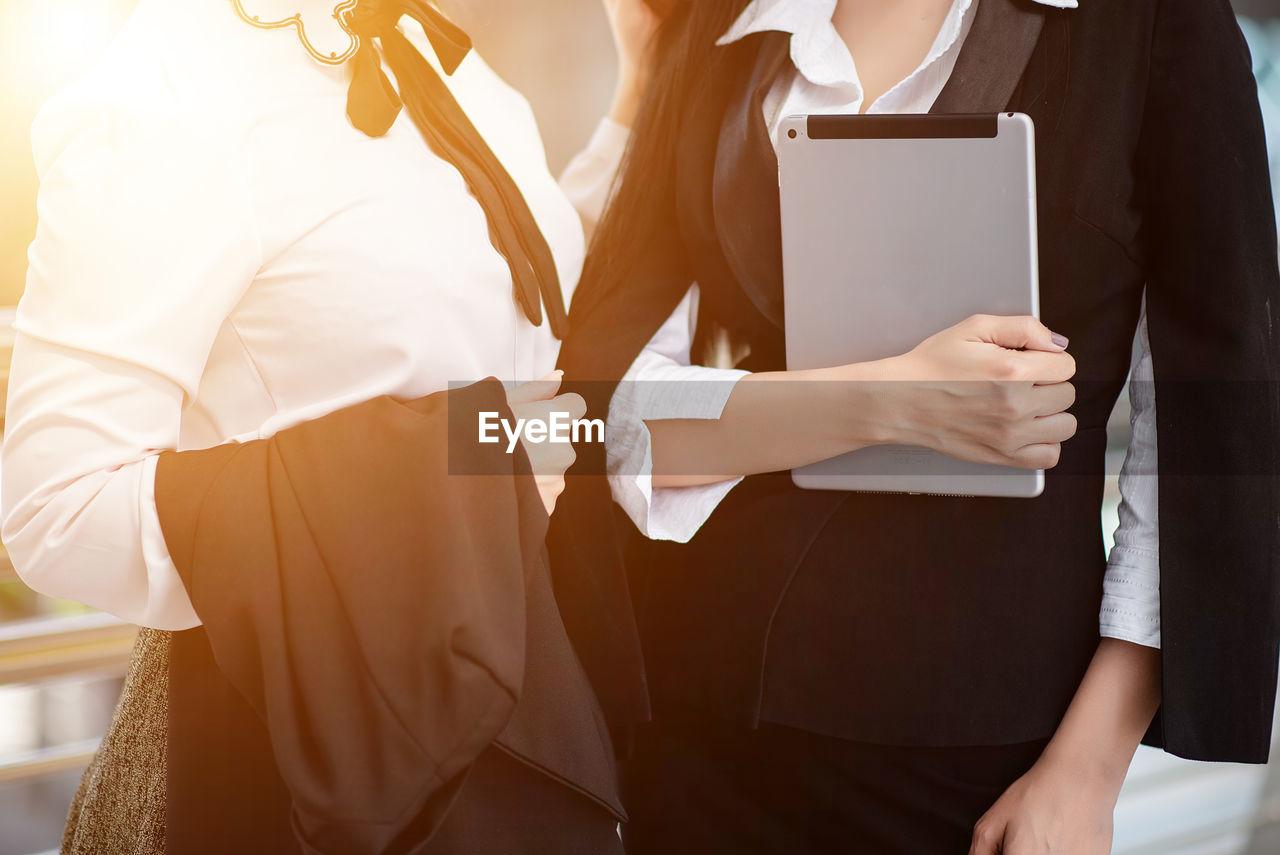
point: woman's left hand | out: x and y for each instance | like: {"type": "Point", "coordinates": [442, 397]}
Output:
{"type": "Point", "coordinates": [1066, 802]}
{"type": "Point", "coordinates": [1051, 809]}
{"type": "Point", "coordinates": [634, 25]}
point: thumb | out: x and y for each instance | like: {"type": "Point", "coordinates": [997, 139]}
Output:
{"type": "Point", "coordinates": [1020, 332]}
{"type": "Point", "coordinates": [536, 390]}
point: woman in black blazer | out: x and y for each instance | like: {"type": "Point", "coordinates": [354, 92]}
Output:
{"type": "Point", "coordinates": [871, 673]}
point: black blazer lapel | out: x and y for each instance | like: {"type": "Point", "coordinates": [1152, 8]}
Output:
{"type": "Point", "coordinates": [993, 58]}
{"type": "Point", "coordinates": [745, 186]}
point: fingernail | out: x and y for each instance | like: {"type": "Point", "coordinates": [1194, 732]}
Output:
{"type": "Point", "coordinates": [1059, 339]}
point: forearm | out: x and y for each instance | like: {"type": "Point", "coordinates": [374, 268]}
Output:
{"type": "Point", "coordinates": [626, 98]}
{"type": "Point", "coordinates": [774, 421]}
{"type": "Point", "coordinates": [79, 511]}
{"type": "Point", "coordinates": [988, 390]}
{"type": "Point", "coordinates": [635, 25]}
{"type": "Point", "coordinates": [1109, 714]}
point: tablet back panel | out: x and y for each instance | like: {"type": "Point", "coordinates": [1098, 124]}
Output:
{"type": "Point", "coordinates": [893, 228]}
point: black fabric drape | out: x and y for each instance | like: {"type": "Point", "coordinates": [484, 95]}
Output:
{"type": "Point", "coordinates": [373, 586]}
{"type": "Point", "coordinates": [1213, 313]}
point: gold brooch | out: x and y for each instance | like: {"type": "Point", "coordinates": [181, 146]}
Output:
{"type": "Point", "coordinates": [340, 15]}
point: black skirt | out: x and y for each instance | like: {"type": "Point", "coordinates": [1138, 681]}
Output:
{"type": "Point", "coordinates": [225, 794]}
{"type": "Point", "coordinates": [707, 787]}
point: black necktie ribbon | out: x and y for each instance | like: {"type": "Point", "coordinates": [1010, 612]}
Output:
{"type": "Point", "coordinates": [373, 105]}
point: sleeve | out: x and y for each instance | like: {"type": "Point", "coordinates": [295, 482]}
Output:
{"type": "Point", "coordinates": [662, 384]}
{"type": "Point", "coordinates": [1213, 318]}
{"type": "Point", "coordinates": [144, 244]}
{"type": "Point", "coordinates": [588, 179]}
{"type": "Point", "coordinates": [1131, 587]}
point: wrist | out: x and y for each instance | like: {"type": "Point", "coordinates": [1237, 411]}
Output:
{"type": "Point", "coordinates": [627, 96]}
{"type": "Point", "coordinates": [872, 403]}
{"type": "Point", "coordinates": [1094, 767]}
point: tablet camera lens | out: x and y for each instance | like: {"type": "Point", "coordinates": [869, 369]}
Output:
{"type": "Point", "coordinates": [792, 133]}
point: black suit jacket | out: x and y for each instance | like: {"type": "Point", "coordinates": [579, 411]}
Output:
{"type": "Point", "coordinates": [926, 620]}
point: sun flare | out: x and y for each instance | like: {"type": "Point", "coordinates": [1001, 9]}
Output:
{"type": "Point", "coordinates": [48, 43]}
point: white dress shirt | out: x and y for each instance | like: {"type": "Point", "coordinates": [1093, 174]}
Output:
{"type": "Point", "coordinates": [825, 80]}
{"type": "Point", "coordinates": [221, 255]}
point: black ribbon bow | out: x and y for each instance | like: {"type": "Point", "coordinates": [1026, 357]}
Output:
{"type": "Point", "coordinates": [373, 105]}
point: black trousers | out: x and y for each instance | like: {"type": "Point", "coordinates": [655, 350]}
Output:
{"type": "Point", "coordinates": [711, 788]}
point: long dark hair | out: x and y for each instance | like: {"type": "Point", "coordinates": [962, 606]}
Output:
{"type": "Point", "coordinates": [641, 215]}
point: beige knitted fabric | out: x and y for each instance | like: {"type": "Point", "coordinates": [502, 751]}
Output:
{"type": "Point", "coordinates": [119, 808]}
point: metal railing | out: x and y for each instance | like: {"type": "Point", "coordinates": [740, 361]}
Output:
{"type": "Point", "coordinates": [7, 573]}
{"type": "Point", "coordinates": [47, 761]}
{"type": "Point", "coordinates": [40, 649]}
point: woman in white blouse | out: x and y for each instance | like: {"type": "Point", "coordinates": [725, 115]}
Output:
{"type": "Point", "coordinates": [221, 255]}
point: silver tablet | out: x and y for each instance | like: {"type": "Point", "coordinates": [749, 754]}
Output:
{"type": "Point", "coordinates": [895, 227]}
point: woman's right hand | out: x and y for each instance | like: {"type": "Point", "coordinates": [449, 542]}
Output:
{"type": "Point", "coordinates": [548, 460]}
{"type": "Point", "coordinates": [988, 390]}
{"type": "Point", "coordinates": [635, 24]}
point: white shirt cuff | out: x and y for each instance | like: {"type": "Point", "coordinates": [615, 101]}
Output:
{"type": "Point", "coordinates": [665, 392]}
{"type": "Point", "coordinates": [1131, 597]}
{"type": "Point", "coordinates": [168, 604]}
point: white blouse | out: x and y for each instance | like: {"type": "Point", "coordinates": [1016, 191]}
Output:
{"type": "Point", "coordinates": [662, 382]}
{"type": "Point", "coordinates": [221, 255]}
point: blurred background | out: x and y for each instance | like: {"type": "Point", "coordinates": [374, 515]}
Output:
{"type": "Point", "coordinates": [61, 664]}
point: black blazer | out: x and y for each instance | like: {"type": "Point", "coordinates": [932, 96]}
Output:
{"type": "Point", "coordinates": [927, 620]}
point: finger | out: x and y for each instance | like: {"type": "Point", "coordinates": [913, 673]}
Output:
{"type": "Point", "coordinates": [1037, 456]}
{"type": "Point", "coordinates": [1018, 332]}
{"type": "Point", "coordinates": [1037, 444]}
{"type": "Point", "coordinates": [542, 411]}
{"type": "Point", "coordinates": [571, 403]}
{"type": "Point", "coordinates": [550, 485]}
{"type": "Point", "coordinates": [553, 458]}
{"type": "Point", "coordinates": [1036, 366]}
{"type": "Point", "coordinates": [549, 490]}
{"type": "Point", "coordinates": [1058, 427]}
{"type": "Point", "coordinates": [986, 838]}
{"type": "Point", "coordinates": [549, 458]}
{"type": "Point", "coordinates": [536, 390]}
{"type": "Point", "coordinates": [1051, 399]}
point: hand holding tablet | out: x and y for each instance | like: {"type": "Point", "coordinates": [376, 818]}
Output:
{"type": "Point", "coordinates": [955, 407]}
{"type": "Point", "coordinates": [897, 227]}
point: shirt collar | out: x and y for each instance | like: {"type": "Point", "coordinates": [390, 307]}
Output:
{"type": "Point", "coordinates": [817, 51]}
